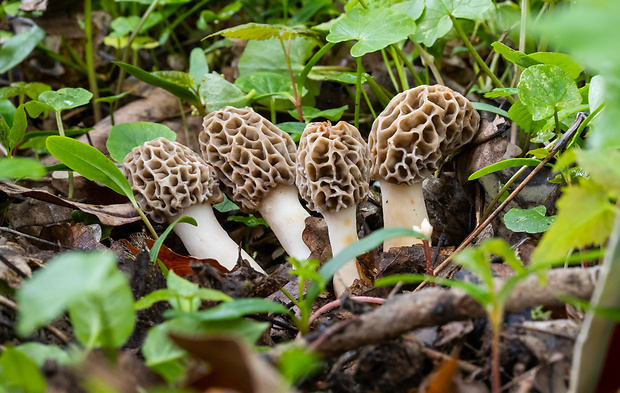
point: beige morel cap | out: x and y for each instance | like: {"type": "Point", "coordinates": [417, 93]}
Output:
{"type": "Point", "coordinates": [333, 166]}
{"type": "Point", "coordinates": [167, 177]}
{"type": "Point", "coordinates": [418, 130]}
{"type": "Point", "coordinates": [250, 154]}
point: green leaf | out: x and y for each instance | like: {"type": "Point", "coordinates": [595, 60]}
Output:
{"type": "Point", "coordinates": [602, 166]}
{"type": "Point", "coordinates": [154, 253]}
{"type": "Point", "coordinates": [532, 220]}
{"type": "Point", "coordinates": [179, 78]}
{"type": "Point", "coordinates": [267, 56]}
{"type": "Point", "coordinates": [368, 27]}
{"type": "Point", "coordinates": [225, 206]}
{"type": "Point", "coordinates": [309, 113]}
{"type": "Point", "coordinates": [7, 111]}
{"type": "Point", "coordinates": [180, 91]}
{"type": "Point", "coordinates": [20, 373]}
{"type": "Point", "coordinates": [250, 221]}
{"type": "Point", "coordinates": [436, 22]}
{"type": "Point", "coordinates": [90, 163]}
{"type": "Point", "coordinates": [519, 113]}
{"type": "Point", "coordinates": [349, 78]}
{"type": "Point", "coordinates": [481, 106]}
{"type": "Point", "coordinates": [498, 166]}
{"type": "Point", "coordinates": [66, 98]}
{"type": "Point", "coordinates": [543, 88]}
{"type": "Point", "coordinates": [585, 217]}
{"type": "Point", "coordinates": [297, 363]}
{"type": "Point", "coordinates": [111, 99]}
{"type": "Point", "coordinates": [18, 167]}
{"type": "Point", "coordinates": [17, 131]}
{"type": "Point", "coordinates": [240, 307]}
{"type": "Point", "coordinates": [504, 92]}
{"type": "Point", "coordinates": [412, 8]}
{"type": "Point", "coordinates": [198, 66]}
{"type": "Point", "coordinates": [162, 355]}
{"type": "Point", "coordinates": [18, 47]}
{"type": "Point", "coordinates": [31, 89]}
{"type": "Point", "coordinates": [124, 137]}
{"type": "Point", "coordinates": [170, 295]}
{"type": "Point", "coordinates": [266, 84]}
{"type": "Point", "coordinates": [562, 60]}
{"type": "Point", "coordinates": [260, 32]}
{"type": "Point", "coordinates": [67, 280]}
{"type": "Point", "coordinates": [216, 92]}
{"type": "Point", "coordinates": [293, 128]}
{"type": "Point", "coordinates": [39, 353]}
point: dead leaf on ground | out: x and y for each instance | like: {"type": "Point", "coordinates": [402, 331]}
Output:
{"type": "Point", "coordinates": [78, 236]}
{"type": "Point", "coordinates": [16, 256]}
{"type": "Point", "coordinates": [317, 239]}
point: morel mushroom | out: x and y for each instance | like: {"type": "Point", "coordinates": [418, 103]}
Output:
{"type": "Point", "coordinates": [170, 181]}
{"type": "Point", "coordinates": [255, 161]}
{"type": "Point", "coordinates": [409, 140]}
{"type": "Point", "coordinates": [332, 176]}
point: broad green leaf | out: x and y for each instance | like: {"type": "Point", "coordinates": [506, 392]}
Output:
{"type": "Point", "coordinates": [18, 167]}
{"type": "Point", "coordinates": [125, 25]}
{"type": "Point", "coordinates": [293, 128]}
{"type": "Point", "coordinates": [125, 136]}
{"type": "Point", "coordinates": [18, 130]}
{"type": "Point", "coordinates": [498, 166]}
{"type": "Point", "coordinates": [18, 47]}
{"type": "Point", "coordinates": [226, 205]}
{"type": "Point", "coordinates": [66, 98]}
{"type": "Point", "coordinates": [39, 353]}
{"type": "Point", "coordinates": [545, 88]}
{"type": "Point", "coordinates": [260, 32]}
{"type": "Point", "coordinates": [532, 220]}
{"type": "Point", "coordinates": [66, 279]}
{"type": "Point", "coordinates": [180, 91]}
{"type": "Point", "coordinates": [368, 27]}
{"type": "Point", "coordinates": [35, 108]}
{"type": "Point", "coordinates": [436, 22]}
{"type": "Point", "coordinates": [198, 66]}
{"type": "Point", "coordinates": [19, 372]}
{"type": "Point", "coordinates": [562, 60]}
{"type": "Point", "coordinates": [7, 111]}
{"type": "Point", "coordinates": [309, 113]}
{"type": "Point", "coordinates": [31, 89]}
{"type": "Point", "coordinates": [297, 363]}
{"type": "Point", "coordinates": [266, 84]}
{"type": "Point", "coordinates": [519, 114]}
{"type": "Point", "coordinates": [412, 8]}
{"type": "Point", "coordinates": [140, 42]}
{"type": "Point", "coordinates": [180, 78]}
{"type": "Point", "coordinates": [240, 307]}
{"type": "Point", "coordinates": [161, 354]}
{"type": "Point", "coordinates": [216, 92]}
{"type": "Point", "coordinates": [602, 166]}
{"type": "Point", "coordinates": [481, 106]}
{"type": "Point", "coordinates": [268, 56]}
{"type": "Point", "coordinates": [250, 221]}
{"type": "Point", "coordinates": [504, 92]}
{"type": "Point", "coordinates": [585, 217]}
{"type": "Point", "coordinates": [90, 163]}
{"type": "Point", "coordinates": [596, 93]}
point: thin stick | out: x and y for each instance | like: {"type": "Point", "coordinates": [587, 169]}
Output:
{"type": "Point", "coordinates": [561, 142]}
{"type": "Point", "coordinates": [29, 237]}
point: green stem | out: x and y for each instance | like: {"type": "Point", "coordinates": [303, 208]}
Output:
{"type": "Point", "coordinates": [372, 110]}
{"type": "Point", "coordinates": [146, 221]}
{"type": "Point", "coordinates": [556, 119]}
{"type": "Point", "coordinates": [61, 132]}
{"type": "Point", "coordinates": [502, 189]}
{"type": "Point", "coordinates": [308, 67]}
{"type": "Point", "coordinates": [409, 65]}
{"type": "Point", "coordinates": [90, 66]}
{"type": "Point", "coordinates": [358, 90]}
{"type": "Point", "coordinates": [388, 67]}
{"type": "Point", "coordinates": [472, 51]}
{"type": "Point", "coordinates": [430, 60]}
{"type": "Point", "coordinates": [402, 75]}
{"type": "Point", "coordinates": [296, 91]}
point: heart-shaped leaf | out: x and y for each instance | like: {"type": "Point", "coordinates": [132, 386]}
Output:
{"type": "Point", "coordinates": [370, 29]}
{"type": "Point", "coordinates": [545, 88]}
{"type": "Point", "coordinates": [532, 220]}
{"type": "Point", "coordinates": [66, 98]}
{"type": "Point", "coordinates": [124, 137]}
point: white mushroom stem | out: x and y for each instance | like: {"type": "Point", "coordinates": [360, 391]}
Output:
{"type": "Point", "coordinates": [209, 239]}
{"type": "Point", "coordinates": [342, 230]}
{"type": "Point", "coordinates": [287, 219]}
{"type": "Point", "coordinates": [403, 206]}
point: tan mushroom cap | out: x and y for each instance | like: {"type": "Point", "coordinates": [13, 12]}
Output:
{"type": "Point", "coordinates": [418, 129]}
{"type": "Point", "coordinates": [250, 154]}
{"type": "Point", "coordinates": [333, 166]}
{"type": "Point", "coordinates": [167, 177]}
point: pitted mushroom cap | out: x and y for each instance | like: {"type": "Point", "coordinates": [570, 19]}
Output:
{"type": "Point", "coordinates": [418, 129]}
{"type": "Point", "coordinates": [167, 177]}
{"type": "Point", "coordinates": [250, 154]}
{"type": "Point", "coordinates": [333, 166]}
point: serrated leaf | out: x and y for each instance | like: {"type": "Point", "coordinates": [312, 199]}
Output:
{"type": "Point", "coordinates": [498, 166]}
{"type": "Point", "coordinates": [368, 28]}
{"type": "Point", "coordinates": [260, 32]}
{"type": "Point", "coordinates": [216, 92]}
{"type": "Point", "coordinates": [125, 136]}
{"type": "Point", "coordinates": [532, 220]}
{"type": "Point", "coordinates": [585, 217]}
{"type": "Point", "coordinates": [545, 88]}
{"type": "Point", "coordinates": [18, 167]}
{"type": "Point", "coordinates": [90, 163]}
{"type": "Point", "coordinates": [436, 22]}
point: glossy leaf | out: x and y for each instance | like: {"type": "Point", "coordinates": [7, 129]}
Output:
{"type": "Point", "coordinates": [19, 373]}
{"type": "Point", "coordinates": [532, 220]}
{"type": "Point", "coordinates": [162, 355]}
{"type": "Point", "coordinates": [498, 166]}
{"type": "Point", "coordinates": [545, 88]}
{"type": "Point", "coordinates": [18, 47]}
{"type": "Point", "coordinates": [436, 23]}
{"type": "Point", "coordinates": [368, 27]}
{"type": "Point", "coordinates": [18, 167]}
{"type": "Point", "coordinates": [125, 136]}
{"type": "Point", "coordinates": [180, 91]}
{"type": "Point", "coordinates": [66, 98]}
{"type": "Point", "coordinates": [562, 60]}
{"type": "Point", "coordinates": [7, 111]}
{"type": "Point", "coordinates": [90, 163]}
{"type": "Point", "coordinates": [216, 92]}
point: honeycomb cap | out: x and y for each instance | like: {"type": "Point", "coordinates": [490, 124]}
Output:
{"type": "Point", "coordinates": [418, 129]}
{"type": "Point", "coordinates": [250, 154]}
{"type": "Point", "coordinates": [167, 177]}
{"type": "Point", "coordinates": [333, 167]}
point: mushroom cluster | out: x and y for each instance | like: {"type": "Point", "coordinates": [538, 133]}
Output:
{"type": "Point", "coordinates": [332, 176]}
{"type": "Point", "coordinates": [170, 181]}
{"type": "Point", "coordinates": [409, 140]}
{"type": "Point", "coordinates": [255, 161]}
